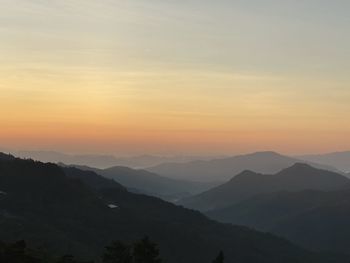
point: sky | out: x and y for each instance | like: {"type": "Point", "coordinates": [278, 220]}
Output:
{"type": "Point", "coordinates": [175, 77]}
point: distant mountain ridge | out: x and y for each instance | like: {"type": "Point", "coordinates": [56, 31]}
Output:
{"type": "Point", "coordinates": [94, 160]}
{"type": "Point", "coordinates": [248, 184]}
{"type": "Point", "coordinates": [339, 160]}
{"type": "Point", "coordinates": [103, 161]}
{"type": "Point", "coordinates": [225, 168]}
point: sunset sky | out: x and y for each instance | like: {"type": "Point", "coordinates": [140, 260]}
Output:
{"type": "Point", "coordinates": [175, 76]}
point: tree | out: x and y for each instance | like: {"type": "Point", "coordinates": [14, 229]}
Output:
{"type": "Point", "coordinates": [146, 251]}
{"type": "Point", "coordinates": [17, 253]}
{"type": "Point", "coordinates": [117, 252]}
{"type": "Point", "coordinates": [220, 258]}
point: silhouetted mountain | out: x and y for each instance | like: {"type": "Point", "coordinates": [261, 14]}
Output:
{"type": "Point", "coordinates": [247, 184]}
{"type": "Point", "coordinates": [94, 160]}
{"type": "Point", "coordinates": [102, 161]}
{"type": "Point", "coordinates": [142, 181]}
{"type": "Point", "coordinates": [339, 160]}
{"type": "Point", "coordinates": [314, 219]}
{"type": "Point", "coordinates": [41, 204]}
{"type": "Point", "coordinates": [6, 157]}
{"type": "Point", "coordinates": [224, 169]}
{"type": "Point", "coordinates": [143, 161]}
{"type": "Point", "coordinates": [92, 179]}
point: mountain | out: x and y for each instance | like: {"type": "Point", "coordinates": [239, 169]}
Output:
{"type": "Point", "coordinates": [314, 219]}
{"type": "Point", "coordinates": [103, 161]}
{"type": "Point", "coordinates": [6, 157]}
{"type": "Point", "coordinates": [145, 182]}
{"type": "Point", "coordinates": [339, 160]}
{"type": "Point", "coordinates": [92, 179]}
{"type": "Point", "coordinates": [223, 169]}
{"type": "Point", "coordinates": [143, 161]}
{"type": "Point", "coordinates": [248, 184]}
{"type": "Point", "coordinates": [76, 212]}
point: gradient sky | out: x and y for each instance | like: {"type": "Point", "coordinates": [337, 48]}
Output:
{"type": "Point", "coordinates": [170, 76]}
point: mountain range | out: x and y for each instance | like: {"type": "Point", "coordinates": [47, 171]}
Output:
{"type": "Point", "coordinates": [67, 210]}
{"type": "Point", "coordinates": [145, 182]}
{"type": "Point", "coordinates": [103, 161]}
{"type": "Point", "coordinates": [224, 169]}
{"type": "Point", "coordinates": [248, 184]}
{"type": "Point", "coordinates": [339, 160]}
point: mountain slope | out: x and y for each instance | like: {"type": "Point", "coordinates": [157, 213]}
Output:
{"type": "Point", "coordinates": [339, 160]}
{"type": "Point", "coordinates": [247, 184]}
{"type": "Point", "coordinates": [224, 169]}
{"type": "Point", "coordinates": [102, 161]}
{"type": "Point", "coordinates": [94, 160]}
{"type": "Point", "coordinates": [314, 219]}
{"type": "Point", "coordinates": [6, 157]}
{"type": "Point", "coordinates": [41, 204]}
{"type": "Point", "coordinates": [149, 183]}
{"type": "Point", "coordinates": [92, 179]}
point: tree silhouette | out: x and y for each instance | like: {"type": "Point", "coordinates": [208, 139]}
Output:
{"type": "Point", "coordinates": [16, 253]}
{"type": "Point", "coordinates": [220, 258]}
{"type": "Point", "coordinates": [117, 252]}
{"type": "Point", "coordinates": [146, 251]}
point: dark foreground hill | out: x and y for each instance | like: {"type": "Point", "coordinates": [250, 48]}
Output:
{"type": "Point", "coordinates": [248, 184]}
{"type": "Point", "coordinates": [314, 219]}
{"type": "Point", "coordinates": [73, 213]}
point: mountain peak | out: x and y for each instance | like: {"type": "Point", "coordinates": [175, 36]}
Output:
{"type": "Point", "coordinates": [302, 165]}
{"type": "Point", "coordinates": [247, 173]}
{"type": "Point", "coordinates": [299, 166]}
{"type": "Point", "coordinates": [266, 153]}
{"type": "Point", "coordinates": [244, 174]}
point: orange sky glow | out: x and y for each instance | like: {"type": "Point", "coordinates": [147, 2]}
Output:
{"type": "Point", "coordinates": [173, 78]}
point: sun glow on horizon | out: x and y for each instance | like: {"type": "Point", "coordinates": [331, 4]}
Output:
{"type": "Point", "coordinates": [166, 77]}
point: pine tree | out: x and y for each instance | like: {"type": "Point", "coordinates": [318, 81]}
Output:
{"type": "Point", "coordinates": [146, 251]}
{"type": "Point", "coordinates": [220, 258]}
{"type": "Point", "coordinates": [117, 252]}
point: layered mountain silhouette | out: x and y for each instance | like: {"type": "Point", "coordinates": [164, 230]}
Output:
{"type": "Point", "coordinates": [94, 160]}
{"type": "Point", "coordinates": [142, 181]}
{"type": "Point", "coordinates": [76, 212]}
{"type": "Point", "coordinates": [339, 160]}
{"type": "Point", "coordinates": [102, 161]}
{"type": "Point", "coordinates": [223, 169]}
{"type": "Point", "coordinates": [248, 184]}
{"type": "Point", "coordinates": [317, 220]}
